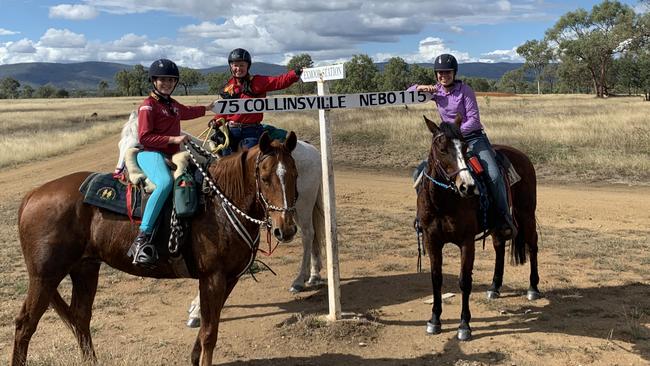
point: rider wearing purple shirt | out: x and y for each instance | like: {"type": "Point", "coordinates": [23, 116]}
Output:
{"type": "Point", "coordinates": [454, 97]}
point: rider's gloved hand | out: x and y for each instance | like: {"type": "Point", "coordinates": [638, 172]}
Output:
{"type": "Point", "coordinates": [216, 122]}
{"type": "Point", "coordinates": [298, 70]}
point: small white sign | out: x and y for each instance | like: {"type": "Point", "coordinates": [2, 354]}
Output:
{"type": "Point", "coordinates": [332, 72]}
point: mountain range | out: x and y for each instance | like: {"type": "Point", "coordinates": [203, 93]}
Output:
{"type": "Point", "coordinates": [87, 75]}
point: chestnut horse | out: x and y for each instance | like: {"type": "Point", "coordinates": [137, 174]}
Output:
{"type": "Point", "coordinates": [448, 208]}
{"type": "Point", "coordinates": [60, 235]}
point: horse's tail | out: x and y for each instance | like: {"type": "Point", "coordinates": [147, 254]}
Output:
{"type": "Point", "coordinates": [62, 308]}
{"type": "Point", "coordinates": [518, 249]}
{"type": "Point", "coordinates": [318, 220]}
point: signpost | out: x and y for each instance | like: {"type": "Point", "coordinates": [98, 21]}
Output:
{"type": "Point", "coordinates": [324, 102]}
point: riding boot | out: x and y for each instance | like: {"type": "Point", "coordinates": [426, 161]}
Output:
{"type": "Point", "coordinates": [143, 251]}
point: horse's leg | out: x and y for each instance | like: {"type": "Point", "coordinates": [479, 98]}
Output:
{"type": "Point", "coordinates": [214, 291]}
{"type": "Point", "coordinates": [303, 218]}
{"type": "Point", "coordinates": [194, 317]}
{"type": "Point", "coordinates": [530, 235]}
{"type": "Point", "coordinates": [434, 325]}
{"type": "Point", "coordinates": [465, 282]}
{"type": "Point", "coordinates": [84, 287]}
{"type": "Point", "coordinates": [494, 292]}
{"type": "Point", "coordinates": [39, 293]}
{"type": "Point", "coordinates": [316, 264]}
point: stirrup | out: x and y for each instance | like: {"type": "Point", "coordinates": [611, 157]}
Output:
{"type": "Point", "coordinates": [143, 252]}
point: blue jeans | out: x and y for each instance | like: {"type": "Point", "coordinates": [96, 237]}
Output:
{"type": "Point", "coordinates": [243, 137]}
{"type": "Point", "coordinates": [480, 146]}
{"type": "Point", "coordinates": [153, 165]}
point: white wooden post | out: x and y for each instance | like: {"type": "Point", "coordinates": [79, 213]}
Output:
{"type": "Point", "coordinates": [329, 206]}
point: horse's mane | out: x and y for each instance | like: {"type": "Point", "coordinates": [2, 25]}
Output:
{"type": "Point", "coordinates": [451, 131]}
{"type": "Point", "coordinates": [229, 173]}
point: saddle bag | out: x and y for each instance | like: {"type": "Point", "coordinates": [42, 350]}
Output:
{"type": "Point", "coordinates": [185, 195]}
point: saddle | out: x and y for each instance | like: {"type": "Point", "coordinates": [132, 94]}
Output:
{"type": "Point", "coordinates": [119, 194]}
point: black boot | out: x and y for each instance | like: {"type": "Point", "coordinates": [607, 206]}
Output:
{"type": "Point", "coordinates": [143, 251]}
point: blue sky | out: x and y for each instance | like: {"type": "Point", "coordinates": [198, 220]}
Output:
{"type": "Point", "coordinates": [200, 33]}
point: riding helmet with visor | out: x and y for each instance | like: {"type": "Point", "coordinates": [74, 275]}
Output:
{"type": "Point", "coordinates": [240, 54]}
{"type": "Point", "coordinates": [163, 67]}
{"type": "Point", "coordinates": [445, 62]}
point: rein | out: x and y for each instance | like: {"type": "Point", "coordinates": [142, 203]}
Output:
{"type": "Point", "coordinates": [230, 208]}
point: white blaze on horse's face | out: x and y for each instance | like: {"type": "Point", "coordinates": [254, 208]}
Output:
{"type": "Point", "coordinates": [464, 180]}
{"type": "Point", "coordinates": [281, 171]}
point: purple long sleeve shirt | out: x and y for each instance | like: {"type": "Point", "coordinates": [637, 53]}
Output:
{"type": "Point", "coordinates": [460, 100]}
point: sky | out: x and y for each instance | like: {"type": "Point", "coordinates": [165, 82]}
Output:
{"type": "Point", "coordinates": [200, 33]}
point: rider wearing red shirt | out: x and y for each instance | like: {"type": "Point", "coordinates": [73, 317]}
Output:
{"type": "Point", "coordinates": [246, 129]}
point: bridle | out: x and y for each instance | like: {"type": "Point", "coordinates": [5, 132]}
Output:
{"type": "Point", "coordinates": [268, 207]}
{"type": "Point", "coordinates": [448, 178]}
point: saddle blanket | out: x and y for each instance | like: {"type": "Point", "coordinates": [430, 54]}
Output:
{"type": "Point", "coordinates": [102, 190]}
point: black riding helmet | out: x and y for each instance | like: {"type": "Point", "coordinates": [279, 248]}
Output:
{"type": "Point", "coordinates": [163, 68]}
{"type": "Point", "coordinates": [239, 54]}
{"type": "Point", "coordinates": [446, 62]}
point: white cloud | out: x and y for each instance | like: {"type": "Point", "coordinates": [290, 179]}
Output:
{"type": "Point", "coordinates": [7, 32]}
{"type": "Point", "coordinates": [502, 56]}
{"type": "Point", "coordinates": [73, 12]}
{"type": "Point", "coordinates": [272, 30]}
{"type": "Point", "coordinates": [22, 46]}
{"type": "Point", "coordinates": [62, 38]}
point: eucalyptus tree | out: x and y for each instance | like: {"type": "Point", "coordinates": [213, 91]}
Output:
{"type": "Point", "coordinates": [538, 55]}
{"type": "Point", "coordinates": [594, 38]}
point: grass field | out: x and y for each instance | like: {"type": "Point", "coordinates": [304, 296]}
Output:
{"type": "Point", "coordinates": [568, 137]}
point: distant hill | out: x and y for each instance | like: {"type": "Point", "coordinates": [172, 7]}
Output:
{"type": "Point", "coordinates": [87, 75]}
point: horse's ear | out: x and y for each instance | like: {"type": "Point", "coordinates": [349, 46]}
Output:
{"type": "Point", "coordinates": [291, 141]}
{"type": "Point", "coordinates": [433, 127]}
{"type": "Point", "coordinates": [265, 143]}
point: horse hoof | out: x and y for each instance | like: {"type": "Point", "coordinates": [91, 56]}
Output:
{"type": "Point", "coordinates": [315, 281]}
{"type": "Point", "coordinates": [433, 328]}
{"type": "Point", "coordinates": [532, 295]}
{"type": "Point", "coordinates": [193, 322]}
{"type": "Point", "coordinates": [493, 295]}
{"type": "Point", "coordinates": [296, 289]}
{"type": "Point", "coordinates": [464, 334]}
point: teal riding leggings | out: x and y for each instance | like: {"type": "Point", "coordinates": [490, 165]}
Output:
{"type": "Point", "coordinates": [153, 165]}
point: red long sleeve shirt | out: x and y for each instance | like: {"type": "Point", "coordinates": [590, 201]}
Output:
{"type": "Point", "coordinates": [158, 122]}
{"type": "Point", "coordinates": [260, 84]}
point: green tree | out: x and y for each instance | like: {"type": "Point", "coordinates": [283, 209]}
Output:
{"type": "Point", "coordinates": [574, 77]}
{"type": "Point", "coordinates": [395, 76]}
{"type": "Point", "coordinates": [593, 38]}
{"type": "Point", "coordinates": [189, 78]}
{"type": "Point", "coordinates": [123, 82]}
{"type": "Point", "coordinates": [102, 88]}
{"type": "Point", "coordinates": [421, 75]}
{"type": "Point", "coordinates": [46, 91]}
{"type": "Point", "coordinates": [360, 74]}
{"type": "Point", "coordinates": [27, 92]}
{"type": "Point", "coordinates": [478, 84]}
{"type": "Point", "coordinates": [538, 54]}
{"type": "Point", "coordinates": [216, 81]}
{"type": "Point", "coordinates": [513, 81]}
{"type": "Point", "coordinates": [9, 88]}
{"type": "Point", "coordinates": [62, 93]}
{"type": "Point", "coordinates": [139, 80]}
{"type": "Point", "coordinates": [304, 61]}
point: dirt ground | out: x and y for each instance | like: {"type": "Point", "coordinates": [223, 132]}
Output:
{"type": "Point", "coordinates": [594, 268]}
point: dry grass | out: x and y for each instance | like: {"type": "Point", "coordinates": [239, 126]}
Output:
{"type": "Point", "coordinates": [569, 138]}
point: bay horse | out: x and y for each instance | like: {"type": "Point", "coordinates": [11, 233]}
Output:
{"type": "Point", "coordinates": [448, 210]}
{"type": "Point", "coordinates": [60, 235]}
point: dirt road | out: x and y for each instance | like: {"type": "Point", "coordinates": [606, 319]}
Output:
{"type": "Point", "coordinates": [594, 268]}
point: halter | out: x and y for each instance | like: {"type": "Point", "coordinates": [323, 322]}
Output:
{"type": "Point", "coordinates": [260, 196]}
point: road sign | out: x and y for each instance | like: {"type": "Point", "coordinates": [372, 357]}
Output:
{"type": "Point", "coordinates": [332, 72]}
